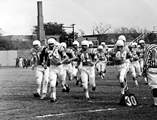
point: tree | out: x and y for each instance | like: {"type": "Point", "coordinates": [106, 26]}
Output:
{"type": "Point", "coordinates": [151, 38]}
{"type": "Point", "coordinates": [51, 29]}
{"type": "Point", "coordinates": [54, 28]}
{"type": "Point", "coordinates": [82, 33]}
{"type": "Point", "coordinates": [101, 28]}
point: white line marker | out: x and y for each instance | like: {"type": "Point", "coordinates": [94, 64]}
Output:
{"type": "Point", "coordinates": [77, 112]}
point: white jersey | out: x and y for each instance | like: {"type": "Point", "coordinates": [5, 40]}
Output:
{"type": "Point", "coordinates": [55, 55]}
{"type": "Point", "coordinates": [37, 57]}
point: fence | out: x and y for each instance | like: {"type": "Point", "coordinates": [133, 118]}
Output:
{"type": "Point", "coordinates": [8, 58]}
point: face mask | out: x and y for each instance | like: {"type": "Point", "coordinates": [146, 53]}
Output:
{"type": "Point", "coordinates": [51, 46]}
{"type": "Point", "coordinates": [36, 47]}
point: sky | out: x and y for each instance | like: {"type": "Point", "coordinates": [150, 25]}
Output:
{"type": "Point", "coordinates": [19, 16]}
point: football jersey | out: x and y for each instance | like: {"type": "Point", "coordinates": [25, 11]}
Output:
{"type": "Point", "coordinates": [150, 56]}
{"type": "Point", "coordinates": [141, 52]}
{"type": "Point", "coordinates": [135, 56]}
{"type": "Point", "coordinates": [76, 53]}
{"type": "Point", "coordinates": [126, 48]}
{"type": "Point", "coordinates": [85, 58]}
{"type": "Point", "coordinates": [101, 56]}
{"type": "Point", "coordinates": [120, 57]}
{"type": "Point", "coordinates": [37, 56]}
{"type": "Point", "coordinates": [55, 55]}
{"type": "Point", "coordinates": [70, 53]}
{"type": "Point", "coordinates": [92, 52]}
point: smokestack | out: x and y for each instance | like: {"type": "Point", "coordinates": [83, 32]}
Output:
{"type": "Point", "coordinates": [41, 32]}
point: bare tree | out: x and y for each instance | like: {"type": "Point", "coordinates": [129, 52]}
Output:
{"type": "Point", "coordinates": [82, 33]}
{"type": "Point", "coordinates": [101, 28]}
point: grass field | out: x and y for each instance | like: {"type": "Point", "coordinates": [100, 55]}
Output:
{"type": "Point", "coordinates": [17, 101]}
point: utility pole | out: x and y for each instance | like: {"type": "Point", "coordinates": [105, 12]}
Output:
{"type": "Point", "coordinates": [40, 23]}
{"type": "Point", "coordinates": [73, 25]}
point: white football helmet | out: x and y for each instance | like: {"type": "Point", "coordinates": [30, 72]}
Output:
{"type": "Point", "coordinates": [122, 37]}
{"type": "Point", "coordinates": [134, 44]}
{"type": "Point", "coordinates": [141, 41]}
{"type": "Point", "coordinates": [120, 43]}
{"type": "Point", "coordinates": [100, 47]}
{"type": "Point", "coordinates": [103, 43]}
{"type": "Point", "coordinates": [76, 43]}
{"type": "Point", "coordinates": [85, 42]}
{"type": "Point", "coordinates": [51, 41]}
{"type": "Point", "coordinates": [90, 42]}
{"type": "Point", "coordinates": [36, 42]}
{"type": "Point", "coordinates": [63, 44]}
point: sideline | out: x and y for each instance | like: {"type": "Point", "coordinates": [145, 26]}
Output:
{"type": "Point", "coordinates": [77, 112]}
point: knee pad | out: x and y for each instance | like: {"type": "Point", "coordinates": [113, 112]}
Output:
{"type": "Point", "coordinates": [52, 84]}
{"type": "Point", "coordinates": [121, 79]}
{"type": "Point", "coordinates": [84, 85]}
{"type": "Point", "coordinates": [154, 92]}
{"type": "Point", "coordinates": [134, 74]}
{"type": "Point", "coordinates": [38, 80]}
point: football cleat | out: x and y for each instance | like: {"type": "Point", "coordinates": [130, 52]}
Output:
{"type": "Point", "coordinates": [63, 90]}
{"type": "Point", "coordinates": [36, 95]}
{"type": "Point", "coordinates": [53, 100]}
{"type": "Point", "coordinates": [146, 83]}
{"type": "Point", "coordinates": [43, 96]}
{"type": "Point", "coordinates": [154, 106]}
{"type": "Point", "coordinates": [88, 100]}
{"type": "Point", "coordinates": [67, 89]}
{"type": "Point", "coordinates": [77, 83]}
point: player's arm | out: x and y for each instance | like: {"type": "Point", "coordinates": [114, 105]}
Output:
{"type": "Point", "coordinates": [44, 57]}
{"type": "Point", "coordinates": [73, 56]}
{"type": "Point", "coordinates": [96, 59]}
{"type": "Point", "coordinates": [136, 57]}
{"type": "Point", "coordinates": [111, 55]}
{"type": "Point", "coordinates": [33, 59]}
{"type": "Point", "coordinates": [78, 59]}
{"type": "Point", "coordinates": [129, 54]}
{"type": "Point", "coordinates": [105, 57]}
{"type": "Point", "coordinates": [95, 56]}
{"type": "Point", "coordinates": [65, 57]}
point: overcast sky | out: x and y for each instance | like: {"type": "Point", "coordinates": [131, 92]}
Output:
{"type": "Point", "coordinates": [19, 16]}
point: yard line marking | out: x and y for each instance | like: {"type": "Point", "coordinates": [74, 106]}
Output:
{"type": "Point", "coordinates": [77, 112]}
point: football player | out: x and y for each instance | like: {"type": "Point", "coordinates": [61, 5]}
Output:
{"type": "Point", "coordinates": [141, 51]}
{"type": "Point", "coordinates": [56, 58]}
{"type": "Point", "coordinates": [67, 66]}
{"type": "Point", "coordinates": [119, 54]}
{"type": "Point", "coordinates": [75, 63]}
{"type": "Point", "coordinates": [105, 48]}
{"type": "Point", "coordinates": [41, 69]}
{"type": "Point", "coordinates": [92, 51]}
{"type": "Point", "coordinates": [134, 65]}
{"type": "Point", "coordinates": [150, 69]}
{"type": "Point", "coordinates": [87, 68]}
{"type": "Point", "coordinates": [101, 61]}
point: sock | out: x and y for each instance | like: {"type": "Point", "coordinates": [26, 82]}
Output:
{"type": "Point", "coordinates": [86, 93]}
